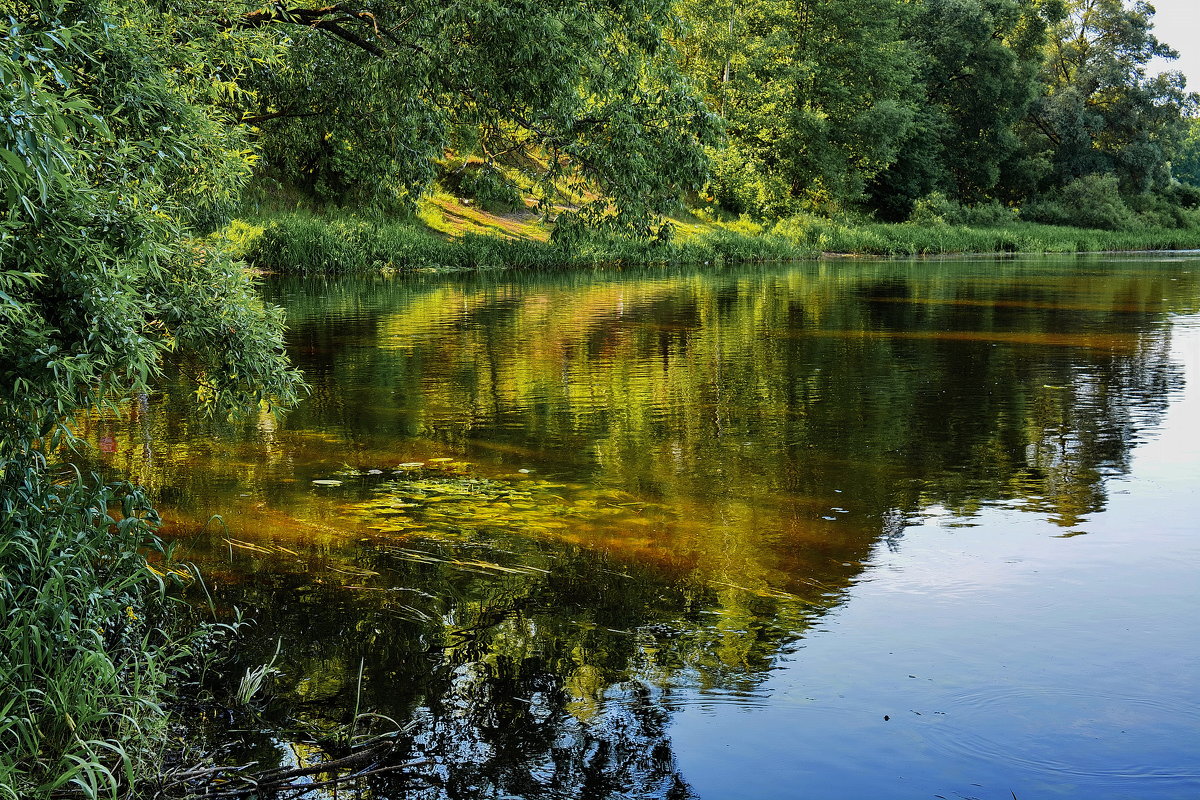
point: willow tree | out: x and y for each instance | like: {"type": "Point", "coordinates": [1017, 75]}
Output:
{"type": "Point", "coordinates": [113, 153]}
{"type": "Point", "coordinates": [369, 97]}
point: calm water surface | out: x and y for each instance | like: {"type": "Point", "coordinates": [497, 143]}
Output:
{"type": "Point", "coordinates": [836, 530]}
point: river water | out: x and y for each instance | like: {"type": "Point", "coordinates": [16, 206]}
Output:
{"type": "Point", "coordinates": [848, 529]}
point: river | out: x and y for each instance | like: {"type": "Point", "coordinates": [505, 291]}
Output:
{"type": "Point", "coordinates": [846, 529]}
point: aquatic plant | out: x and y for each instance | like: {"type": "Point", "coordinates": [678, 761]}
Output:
{"type": "Point", "coordinates": [443, 497]}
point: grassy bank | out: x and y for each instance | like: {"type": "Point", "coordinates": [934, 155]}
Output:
{"type": "Point", "coordinates": [302, 242]}
{"type": "Point", "coordinates": [908, 239]}
{"type": "Point", "coordinates": [314, 244]}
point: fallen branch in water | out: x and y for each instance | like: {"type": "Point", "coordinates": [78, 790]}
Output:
{"type": "Point", "coordinates": [233, 783]}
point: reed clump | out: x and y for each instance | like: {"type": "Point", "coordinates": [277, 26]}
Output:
{"type": "Point", "coordinates": [88, 658]}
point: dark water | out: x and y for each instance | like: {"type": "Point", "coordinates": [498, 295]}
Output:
{"type": "Point", "coordinates": [847, 529]}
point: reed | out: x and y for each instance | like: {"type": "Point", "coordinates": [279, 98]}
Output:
{"type": "Point", "coordinates": [88, 657]}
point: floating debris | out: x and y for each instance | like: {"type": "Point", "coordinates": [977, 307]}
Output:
{"type": "Point", "coordinates": [270, 549]}
{"type": "Point", "coordinates": [326, 482]}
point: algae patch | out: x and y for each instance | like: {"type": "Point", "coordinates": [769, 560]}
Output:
{"type": "Point", "coordinates": [442, 497]}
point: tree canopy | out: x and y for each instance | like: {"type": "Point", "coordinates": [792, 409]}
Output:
{"type": "Point", "coordinates": [875, 104]}
{"type": "Point", "coordinates": [112, 151]}
{"type": "Point", "coordinates": [365, 101]}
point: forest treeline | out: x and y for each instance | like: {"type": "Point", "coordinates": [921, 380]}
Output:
{"type": "Point", "coordinates": [954, 110]}
{"type": "Point", "coordinates": [895, 107]}
{"type": "Point", "coordinates": [130, 127]}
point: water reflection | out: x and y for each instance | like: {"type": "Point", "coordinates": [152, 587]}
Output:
{"type": "Point", "coordinates": [753, 438]}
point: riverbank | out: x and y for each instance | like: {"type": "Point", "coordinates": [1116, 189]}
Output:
{"type": "Point", "coordinates": [465, 238]}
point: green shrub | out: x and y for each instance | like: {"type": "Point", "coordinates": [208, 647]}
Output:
{"type": "Point", "coordinates": [1157, 211]}
{"type": "Point", "coordinates": [989, 214]}
{"type": "Point", "coordinates": [1093, 201]}
{"type": "Point", "coordinates": [90, 652]}
{"type": "Point", "coordinates": [935, 209]}
{"type": "Point", "coordinates": [740, 188]}
{"type": "Point", "coordinates": [1184, 195]}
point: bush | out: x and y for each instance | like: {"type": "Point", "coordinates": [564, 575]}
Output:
{"type": "Point", "coordinates": [1184, 195]}
{"type": "Point", "coordinates": [990, 214]}
{"type": "Point", "coordinates": [1158, 211]}
{"type": "Point", "coordinates": [740, 188]}
{"type": "Point", "coordinates": [302, 243]}
{"type": "Point", "coordinates": [1093, 201]}
{"type": "Point", "coordinates": [89, 650]}
{"type": "Point", "coordinates": [937, 209]}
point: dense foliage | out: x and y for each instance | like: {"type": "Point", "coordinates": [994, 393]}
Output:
{"type": "Point", "coordinates": [818, 96]}
{"type": "Point", "coordinates": [112, 152]}
{"type": "Point", "coordinates": [828, 107]}
{"type": "Point", "coordinates": [616, 108]}
{"type": "Point", "coordinates": [571, 94]}
{"type": "Point", "coordinates": [979, 65]}
{"type": "Point", "coordinates": [870, 105]}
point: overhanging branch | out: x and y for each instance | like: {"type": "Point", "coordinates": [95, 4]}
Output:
{"type": "Point", "coordinates": [331, 19]}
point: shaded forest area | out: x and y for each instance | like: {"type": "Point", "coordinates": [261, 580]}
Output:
{"type": "Point", "coordinates": [611, 114]}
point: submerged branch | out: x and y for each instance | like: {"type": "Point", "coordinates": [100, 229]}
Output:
{"type": "Point", "coordinates": [233, 783]}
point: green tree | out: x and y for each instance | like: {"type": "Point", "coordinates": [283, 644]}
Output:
{"type": "Point", "coordinates": [575, 93]}
{"type": "Point", "coordinates": [111, 153]}
{"type": "Point", "coordinates": [1100, 112]}
{"type": "Point", "coordinates": [1185, 166]}
{"type": "Point", "coordinates": [979, 63]}
{"type": "Point", "coordinates": [818, 96]}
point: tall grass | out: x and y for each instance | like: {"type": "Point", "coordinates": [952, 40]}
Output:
{"type": "Point", "coordinates": [907, 239]}
{"type": "Point", "coordinates": [307, 243]}
{"type": "Point", "coordinates": [86, 666]}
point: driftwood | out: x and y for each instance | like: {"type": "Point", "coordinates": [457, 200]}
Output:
{"type": "Point", "coordinates": [237, 782]}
